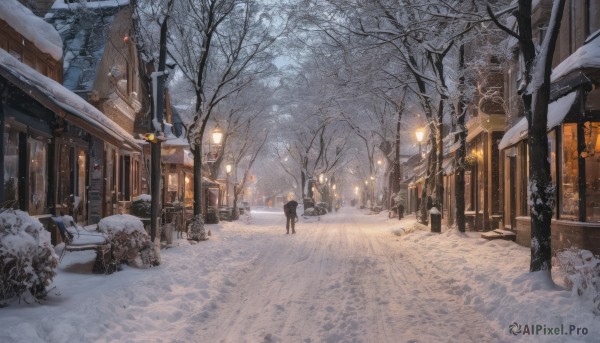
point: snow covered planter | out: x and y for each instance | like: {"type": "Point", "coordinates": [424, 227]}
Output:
{"type": "Point", "coordinates": [27, 257]}
{"type": "Point", "coordinates": [128, 238]}
{"type": "Point", "coordinates": [582, 273]}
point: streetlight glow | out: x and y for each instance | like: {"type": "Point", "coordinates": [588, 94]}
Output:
{"type": "Point", "coordinates": [217, 135]}
{"type": "Point", "coordinates": [420, 133]}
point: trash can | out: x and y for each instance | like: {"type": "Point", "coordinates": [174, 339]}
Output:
{"type": "Point", "coordinates": [436, 220]}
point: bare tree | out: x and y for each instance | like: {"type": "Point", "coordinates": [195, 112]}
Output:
{"type": "Point", "coordinates": [220, 46]}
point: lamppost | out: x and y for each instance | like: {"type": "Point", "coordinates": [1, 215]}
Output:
{"type": "Point", "coordinates": [420, 133]}
{"type": "Point", "coordinates": [228, 172]}
{"type": "Point", "coordinates": [216, 135]}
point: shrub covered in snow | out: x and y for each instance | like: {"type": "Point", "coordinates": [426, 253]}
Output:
{"type": "Point", "coordinates": [141, 207]}
{"type": "Point", "coordinates": [582, 273]}
{"type": "Point", "coordinates": [128, 237]}
{"type": "Point", "coordinates": [198, 231]}
{"type": "Point", "coordinates": [310, 212]}
{"type": "Point", "coordinates": [321, 208]}
{"type": "Point", "coordinates": [27, 257]}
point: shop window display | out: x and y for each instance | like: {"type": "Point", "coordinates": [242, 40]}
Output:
{"type": "Point", "coordinates": [569, 201]}
{"type": "Point", "coordinates": [592, 172]}
{"type": "Point", "coordinates": [38, 187]}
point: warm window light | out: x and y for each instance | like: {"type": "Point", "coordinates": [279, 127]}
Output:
{"type": "Point", "coordinates": [217, 135]}
{"type": "Point", "coordinates": [420, 133]}
{"type": "Point", "coordinates": [228, 168]}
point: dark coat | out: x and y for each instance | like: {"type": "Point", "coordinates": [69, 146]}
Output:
{"type": "Point", "coordinates": [290, 209]}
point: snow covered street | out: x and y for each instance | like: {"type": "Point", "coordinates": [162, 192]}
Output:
{"type": "Point", "coordinates": [350, 277]}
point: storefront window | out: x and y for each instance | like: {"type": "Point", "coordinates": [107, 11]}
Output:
{"type": "Point", "coordinates": [188, 187]}
{"type": "Point", "coordinates": [480, 175]}
{"type": "Point", "coordinates": [523, 178]}
{"type": "Point", "coordinates": [64, 188]}
{"type": "Point", "coordinates": [38, 187]}
{"type": "Point", "coordinates": [592, 172]}
{"type": "Point", "coordinates": [552, 157]}
{"type": "Point", "coordinates": [81, 197]}
{"type": "Point", "coordinates": [569, 198]}
{"type": "Point", "coordinates": [125, 178]}
{"type": "Point", "coordinates": [11, 166]}
{"type": "Point", "coordinates": [172, 186]}
{"type": "Point", "coordinates": [468, 193]}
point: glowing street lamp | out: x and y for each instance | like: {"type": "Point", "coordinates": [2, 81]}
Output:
{"type": "Point", "coordinates": [217, 135]}
{"type": "Point", "coordinates": [420, 133]}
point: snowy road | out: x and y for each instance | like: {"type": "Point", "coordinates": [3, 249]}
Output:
{"type": "Point", "coordinates": [337, 280]}
{"type": "Point", "coordinates": [345, 278]}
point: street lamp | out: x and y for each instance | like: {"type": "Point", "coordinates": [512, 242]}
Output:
{"type": "Point", "coordinates": [217, 135]}
{"type": "Point", "coordinates": [420, 133]}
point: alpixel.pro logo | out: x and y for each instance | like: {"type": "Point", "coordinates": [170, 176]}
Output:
{"type": "Point", "coordinates": [543, 330]}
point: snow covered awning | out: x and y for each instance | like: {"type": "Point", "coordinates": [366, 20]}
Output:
{"type": "Point", "coordinates": [557, 111]}
{"type": "Point", "coordinates": [178, 156]}
{"type": "Point", "coordinates": [65, 103]}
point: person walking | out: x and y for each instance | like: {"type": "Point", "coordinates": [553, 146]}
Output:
{"type": "Point", "coordinates": [290, 215]}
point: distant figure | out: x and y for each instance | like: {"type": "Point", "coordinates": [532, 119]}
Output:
{"type": "Point", "coordinates": [290, 215]}
{"type": "Point", "coordinates": [400, 211]}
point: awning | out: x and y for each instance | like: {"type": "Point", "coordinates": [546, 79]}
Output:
{"type": "Point", "coordinates": [64, 103]}
{"type": "Point", "coordinates": [557, 111]}
{"type": "Point", "coordinates": [178, 156]}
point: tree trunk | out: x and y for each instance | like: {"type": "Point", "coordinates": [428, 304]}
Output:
{"type": "Point", "coordinates": [396, 175]}
{"type": "Point", "coordinates": [459, 163]}
{"type": "Point", "coordinates": [540, 185]}
{"type": "Point", "coordinates": [541, 190]}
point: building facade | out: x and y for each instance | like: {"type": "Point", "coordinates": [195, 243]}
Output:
{"type": "Point", "coordinates": [574, 129]}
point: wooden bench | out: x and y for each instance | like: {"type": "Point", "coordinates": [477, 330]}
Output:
{"type": "Point", "coordinates": [77, 238]}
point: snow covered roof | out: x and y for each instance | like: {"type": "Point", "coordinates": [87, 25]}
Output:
{"type": "Point", "coordinates": [60, 4]}
{"type": "Point", "coordinates": [85, 31]}
{"type": "Point", "coordinates": [32, 27]}
{"type": "Point", "coordinates": [587, 56]}
{"type": "Point", "coordinates": [58, 98]}
{"type": "Point", "coordinates": [557, 111]}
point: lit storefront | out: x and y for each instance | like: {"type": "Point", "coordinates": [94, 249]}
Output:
{"type": "Point", "coordinates": [574, 154]}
